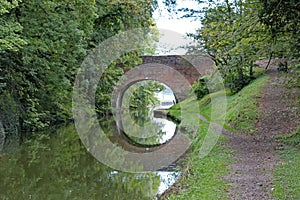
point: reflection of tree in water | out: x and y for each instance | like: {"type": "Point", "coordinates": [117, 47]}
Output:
{"type": "Point", "coordinates": [57, 166]}
{"type": "Point", "coordinates": [150, 141]}
{"type": "Point", "coordinates": [142, 100]}
{"type": "Point", "coordinates": [2, 136]}
{"type": "Point", "coordinates": [142, 118]}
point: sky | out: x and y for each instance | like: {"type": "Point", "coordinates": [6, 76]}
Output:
{"type": "Point", "coordinates": [165, 21]}
{"type": "Point", "coordinates": [173, 29]}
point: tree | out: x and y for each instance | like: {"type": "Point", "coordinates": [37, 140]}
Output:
{"type": "Point", "coordinates": [232, 35]}
{"type": "Point", "coordinates": [57, 34]}
{"type": "Point", "coordinates": [10, 37]}
{"type": "Point", "coordinates": [283, 20]}
{"type": "Point", "coordinates": [113, 18]}
{"type": "Point", "coordinates": [11, 43]}
{"type": "Point", "coordinates": [144, 95]}
{"type": "Point", "coordinates": [43, 43]}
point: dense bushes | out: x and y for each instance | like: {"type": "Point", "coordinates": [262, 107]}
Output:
{"type": "Point", "coordinates": [235, 34]}
{"type": "Point", "coordinates": [43, 43]}
{"type": "Point", "coordinates": [200, 88]}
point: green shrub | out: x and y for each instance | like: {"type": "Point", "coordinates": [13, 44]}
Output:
{"type": "Point", "coordinates": [200, 88]}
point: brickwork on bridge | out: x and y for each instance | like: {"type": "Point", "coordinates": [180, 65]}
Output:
{"type": "Point", "coordinates": [185, 65]}
{"type": "Point", "coordinates": [177, 72]}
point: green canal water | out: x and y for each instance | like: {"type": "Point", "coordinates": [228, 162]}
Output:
{"type": "Point", "coordinates": [55, 165]}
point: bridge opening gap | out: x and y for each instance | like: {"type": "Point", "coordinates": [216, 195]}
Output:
{"type": "Point", "coordinates": [143, 99]}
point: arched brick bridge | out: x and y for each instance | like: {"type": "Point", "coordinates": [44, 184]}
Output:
{"type": "Point", "coordinates": [177, 72]}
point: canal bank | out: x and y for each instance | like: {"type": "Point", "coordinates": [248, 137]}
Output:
{"type": "Point", "coordinates": [204, 178]}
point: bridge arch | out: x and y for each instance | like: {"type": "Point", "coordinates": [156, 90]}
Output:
{"type": "Point", "coordinates": [178, 72]}
{"type": "Point", "coordinates": [152, 71]}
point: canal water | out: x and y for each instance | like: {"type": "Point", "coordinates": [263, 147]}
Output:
{"type": "Point", "coordinates": [56, 165]}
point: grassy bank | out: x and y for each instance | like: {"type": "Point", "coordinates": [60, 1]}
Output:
{"type": "Point", "coordinates": [202, 178]}
{"type": "Point", "coordinates": [286, 175]}
{"type": "Point", "coordinates": [241, 111]}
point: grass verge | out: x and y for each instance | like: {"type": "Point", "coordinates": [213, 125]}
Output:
{"type": "Point", "coordinates": [242, 107]}
{"type": "Point", "coordinates": [287, 174]}
{"type": "Point", "coordinates": [202, 178]}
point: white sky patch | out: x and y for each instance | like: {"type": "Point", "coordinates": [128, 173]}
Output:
{"type": "Point", "coordinates": [172, 43]}
{"type": "Point", "coordinates": [173, 29]}
{"type": "Point", "coordinates": [165, 20]}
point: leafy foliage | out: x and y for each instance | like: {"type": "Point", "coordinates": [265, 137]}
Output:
{"type": "Point", "coordinates": [43, 43]}
{"type": "Point", "coordinates": [144, 95]}
{"type": "Point", "coordinates": [200, 89]}
{"type": "Point", "coordinates": [142, 99]}
{"type": "Point", "coordinates": [10, 38]}
{"type": "Point", "coordinates": [234, 38]}
{"type": "Point", "coordinates": [237, 33]}
{"type": "Point", "coordinates": [283, 20]}
{"type": "Point", "coordinates": [114, 18]}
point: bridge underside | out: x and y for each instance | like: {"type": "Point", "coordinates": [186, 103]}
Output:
{"type": "Point", "coordinates": [162, 73]}
{"type": "Point", "coordinates": [177, 72]}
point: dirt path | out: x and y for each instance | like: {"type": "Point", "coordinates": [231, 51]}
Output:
{"type": "Point", "coordinates": [255, 154]}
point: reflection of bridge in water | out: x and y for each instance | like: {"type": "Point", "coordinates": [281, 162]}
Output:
{"type": "Point", "coordinates": [130, 138]}
{"type": "Point", "coordinates": [162, 155]}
